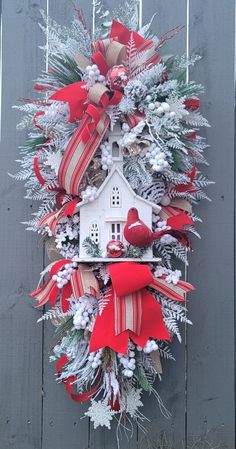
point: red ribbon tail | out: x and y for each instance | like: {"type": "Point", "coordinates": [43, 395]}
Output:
{"type": "Point", "coordinates": [82, 397]}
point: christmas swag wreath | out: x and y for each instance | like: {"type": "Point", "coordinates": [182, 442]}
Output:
{"type": "Point", "coordinates": [112, 154]}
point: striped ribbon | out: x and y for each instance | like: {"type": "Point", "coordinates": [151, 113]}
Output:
{"type": "Point", "coordinates": [90, 103]}
{"type": "Point", "coordinates": [174, 208]}
{"type": "Point", "coordinates": [81, 281]}
{"type": "Point", "coordinates": [51, 219]}
{"type": "Point", "coordinates": [128, 312]}
{"type": "Point", "coordinates": [128, 307]}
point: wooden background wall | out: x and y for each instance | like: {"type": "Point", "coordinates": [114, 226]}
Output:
{"type": "Point", "coordinates": [198, 388]}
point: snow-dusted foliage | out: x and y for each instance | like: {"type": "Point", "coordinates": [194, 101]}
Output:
{"type": "Point", "coordinates": [159, 152]}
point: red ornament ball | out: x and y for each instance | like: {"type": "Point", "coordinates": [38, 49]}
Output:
{"type": "Point", "coordinates": [115, 248]}
{"type": "Point", "coordinates": [117, 77]}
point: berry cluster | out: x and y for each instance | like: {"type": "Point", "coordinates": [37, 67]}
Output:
{"type": "Point", "coordinates": [167, 239]}
{"type": "Point", "coordinates": [150, 346]}
{"type": "Point", "coordinates": [160, 109]}
{"type": "Point", "coordinates": [106, 158]}
{"type": "Point", "coordinates": [63, 276]}
{"type": "Point", "coordinates": [89, 194]}
{"type": "Point", "coordinates": [93, 75]}
{"type": "Point", "coordinates": [95, 358]}
{"type": "Point", "coordinates": [172, 276]}
{"type": "Point", "coordinates": [161, 225]}
{"type": "Point", "coordinates": [128, 362]}
{"type": "Point", "coordinates": [83, 314]}
{"type": "Point", "coordinates": [157, 158]}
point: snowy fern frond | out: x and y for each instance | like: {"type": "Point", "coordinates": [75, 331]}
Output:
{"type": "Point", "coordinates": [21, 175]}
{"type": "Point", "coordinates": [177, 105]}
{"type": "Point", "coordinates": [198, 157]}
{"type": "Point", "coordinates": [172, 325]}
{"type": "Point", "coordinates": [136, 173]}
{"type": "Point", "coordinates": [144, 31]}
{"type": "Point", "coordinates": [103, 273]}
{"type": "Point", "coordinates": [176, 178]}
{"type": "Point", "coordinates": [176, 143]}
{"type": "Point", "coordinates": [103, 300]}
{"type": "Point", "coordinates": [175, 310]}
{"type": "Point", "coordinates": [195, 218]}
{"type": "Point", "coordinates": [193, 231]}
{"type": "Point", "coordinates": [201, 195]}
{"type": "Point", "coordinates": [180, 252]}
{"type": "Point", "coordinates": [152, 76]}
{"type": "Point", "coordinates": [131, 54]}
{"type": "Point", "coordinates": [165, 351]}
{"type": "Point", "coordinates": [164, 252]}
{"type": "Point", "coordinates": [202, 181]}
{"type": "Point", "coordinates": [196, 119]}
{"type": "Point", "coordinates": [127, 13]}
{"type": "Point", "coordinates": [55, 313]}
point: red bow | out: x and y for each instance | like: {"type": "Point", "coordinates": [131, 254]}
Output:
{"type": "Point", "coordinates": [90, 104]}
{"type": "Point", "coordinates": [81, 281]}
{"type": "Point", "coordinates": [131, 311]}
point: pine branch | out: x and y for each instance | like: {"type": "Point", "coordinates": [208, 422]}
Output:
{"type": "Point", "coordinates": [92, 248]}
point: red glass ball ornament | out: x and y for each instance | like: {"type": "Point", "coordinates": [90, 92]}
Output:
{"type": "Point", "coordinates": [117, 77]}
{"type": "Point", "coordinates": [115, 248]}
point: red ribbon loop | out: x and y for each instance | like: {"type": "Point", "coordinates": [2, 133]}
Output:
{"type": "Point", "coordinates": [132, 311]}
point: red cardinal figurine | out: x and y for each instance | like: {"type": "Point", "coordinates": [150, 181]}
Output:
{"type": "Point", "coordinates": [138, 234]}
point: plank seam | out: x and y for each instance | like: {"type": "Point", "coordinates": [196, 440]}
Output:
{"type": "Point", "coordinates": [44, 252]}
{"type": "Point", "coordinates": [186, 268]}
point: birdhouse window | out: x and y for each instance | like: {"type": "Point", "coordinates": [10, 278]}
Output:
{"type": "Point", "coordinates": [115, 150]}
{"type": "Point", "coordinates": [115, 197]}
{"type": "Point", "coordinates": [116, 231]}
{"type": "Point", "coordinates": [94, 233]}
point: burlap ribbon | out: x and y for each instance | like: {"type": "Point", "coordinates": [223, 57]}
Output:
{"type": "Point", "coordinates": [82, 281]}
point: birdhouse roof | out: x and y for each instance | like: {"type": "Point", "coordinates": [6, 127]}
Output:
{"type": "Point", "coordinates": [110, 175]}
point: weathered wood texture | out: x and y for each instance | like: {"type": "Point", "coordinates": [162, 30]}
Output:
{"type": "Point", "coordinates": [210, 369]}
{"type": "Point", "coordinates": [198, 388]}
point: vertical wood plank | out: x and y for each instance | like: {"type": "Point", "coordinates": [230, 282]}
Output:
{"type": "Point", "coordinates": [172, 387]}
{"type": "Point", "coordinates": [210, 393]}
{"type": "Point", "coordinates": [62, 424]}
{"type": "Point", "coordinates": [20, 337]}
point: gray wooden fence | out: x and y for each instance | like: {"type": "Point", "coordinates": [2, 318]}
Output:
{"type": "Point", "coordinates": [198, 388]}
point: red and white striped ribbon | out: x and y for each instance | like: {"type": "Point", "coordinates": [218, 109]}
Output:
{"type": "Point", "coordinates": [128, 312]}
{"type": "Point", "coordinates": [176, 292]}
{"type": "Point", "coordinates": [79, 153]}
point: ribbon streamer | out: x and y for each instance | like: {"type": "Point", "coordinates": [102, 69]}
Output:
{"type": "Point", "coordinates": [132, 311]}
{"type": "Point", "coordinates": [81, 281]}
{"type": "Point", "coordinates": [77, 397]}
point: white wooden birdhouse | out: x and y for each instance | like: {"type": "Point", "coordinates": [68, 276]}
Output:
{"type": "Point", "coordinates": [114, 138]}
{"type": "Point", "coordinates": [104, 219]}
